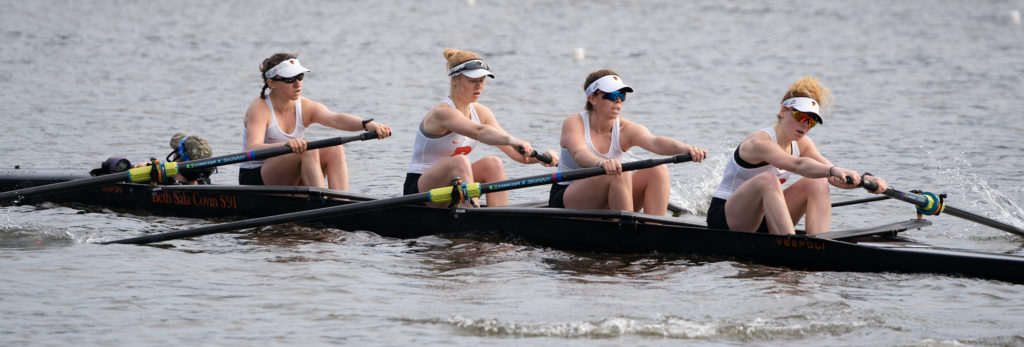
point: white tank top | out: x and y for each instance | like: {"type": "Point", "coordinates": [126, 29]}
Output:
{"type": "Point", "coordinates": [431, 149]}
{"type": "Point", "coordinates": [738, 171]}
{"type": "Point", "coordinates": [274, 134]}
{"type": "Point", "coordinates": [565, 160]}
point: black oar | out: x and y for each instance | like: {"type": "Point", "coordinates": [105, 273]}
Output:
{"type": "Point", "coordinates": [543, 157]}
{"type": "Point", "coordinates": [436, 195]}
{"type": "Point", "coordinates": [859, 201]}
{"type": "Point", "coordinates": [928, 203]}
{"type": "Point", "coordinates": [143, 174]}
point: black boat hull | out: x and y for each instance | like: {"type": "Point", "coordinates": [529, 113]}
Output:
{"type": "Point", "coordinates": [571, 230]}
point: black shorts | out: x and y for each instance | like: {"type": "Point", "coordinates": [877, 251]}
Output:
{"type": "Point", "coordinates": [557, 195]}
{"type": "Point", "coordinates": [412, 183]}
{"type": "Point", "coordinates": [250, 176]}
{"type": "Point", "coordinates": [716, 217]}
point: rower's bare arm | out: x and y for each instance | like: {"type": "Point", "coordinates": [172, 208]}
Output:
{"type": "Point", "coordinates": [639, 135]}
{"type": "Point", "coordinates": [836, 175]}
{"type": "Point", "coordinates": [573, 141]}
{"type": "Point", "coordinates": [320, 114]}
{"type": "Point", "coordinates": [451, 119]}
{"type": "Point", "coordinates": [760, 148]}
{"type": "Point", "coordinates": [343, 121]}
{"type": "Point", "coordinates": [257, 119]}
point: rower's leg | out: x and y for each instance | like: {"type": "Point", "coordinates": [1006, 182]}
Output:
{"type": "Point", "coordinates": [601, 192]}
{"type": "Point", "coordinates": [490, 169]}
{"type": "Point", "coordinates": [283, 170]}
{"type": "Point", "coordinates": [441, 174]}
{"type": "Point", "coordinates": [810, 197]}
{"type": "Point", "coordinates": [759, 198]}
{"type": "Point", "coordinates": [312, 174]}
{"type": "Point", "coordinates": [334, 166]}
{"type": "Point", "coordinates": [651, 190]}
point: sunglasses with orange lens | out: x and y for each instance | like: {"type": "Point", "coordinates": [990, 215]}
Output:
{"type": "Point", "coordinates": [803, 117]}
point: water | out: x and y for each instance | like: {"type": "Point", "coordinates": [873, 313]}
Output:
{"type": "Point", "coordinates": [928, 95]}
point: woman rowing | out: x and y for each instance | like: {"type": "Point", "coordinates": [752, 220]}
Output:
{"type": "Point", "coordinates": [751, 197]}
{"type": "Point", "coordinates": [283, 116]}
{"type": "Point", "coordinates": [598, 137]}
{"type": "Point", "coordinates": [450, 131]}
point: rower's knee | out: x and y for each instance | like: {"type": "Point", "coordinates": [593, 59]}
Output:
{"type": "Point", "coordinates": [333, 154]}
{"type": "Point", "coordinates": [655, 174]}
{"type": "Point", "coordinates": [492, 163]}
{"type": "Point", "coordinates": [461, 167]}
{"type": "Point", "coordinates": [817, 186]}
{"type": "Point", "coordinates": [488, 169]}
{"type": "Point", "coordinates": [311, 156]}
{"type": "Point", "coordinates": [767, 182]}
{"type": "Point", "coordinates": [335, 151]}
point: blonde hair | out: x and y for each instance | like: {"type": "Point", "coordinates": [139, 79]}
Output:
{"type": "Point", "coordinates": [594, 76]}
{"type": "Point", "coordinates": [458, 56]}
{"type": "Point", "coordinates": [809, 87]}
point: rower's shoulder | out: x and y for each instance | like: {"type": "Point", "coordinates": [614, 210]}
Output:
{"type": "Point", "coordinates": [258, 107]}
{"type": "Point", "coordinates": [257, 102]}
{"type": "Point", "coordinates": [758, 136]}
{"type": "Point", "coordinates": [576, 117]}
{"type": "Point", "coordinates": [755, 140]}
{"type": "Point", "coordinates": [442, 110]}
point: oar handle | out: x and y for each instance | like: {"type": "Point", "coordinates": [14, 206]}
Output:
{"type": "Point", "coordinates": [868, 185]}
{"type": "Point", "coordinates": [543, 157]}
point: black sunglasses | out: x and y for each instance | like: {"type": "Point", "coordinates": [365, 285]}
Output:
{"type": "Point", "coordinates": [289, 80]}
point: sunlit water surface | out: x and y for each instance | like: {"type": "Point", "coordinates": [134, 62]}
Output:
{"type": "Point", "coordinates": [928, 95]}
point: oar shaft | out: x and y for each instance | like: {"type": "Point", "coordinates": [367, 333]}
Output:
{"type": "Point", "coordinates": [437, 195]}
{"type": "Point", "coordinates": [277, 219]}
{"type": "Point", "coordinates": [859, 201]}
{"type": "Point", "coordinates": [926, 202]}
{"type": "Point", "coordinates": [142, 174]}
{"type": "Point", "coordinates": [576, 174]}
{"type": "Point", "coordinates": [268, 152]}
{"type": "Point", "coordinates": [982, 220]}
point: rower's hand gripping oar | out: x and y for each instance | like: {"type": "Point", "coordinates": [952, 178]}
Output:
{"type": "Point", "coordinates": [543, 157]}
{"type": "Point", "coordinates": [436, 195]}
{"type": "Point", "coordinates": [929, 204]}
{"type": "Point", "coordinates": [143, 174]}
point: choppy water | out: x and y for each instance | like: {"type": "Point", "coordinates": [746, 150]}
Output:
{"type": "Point", "coordinates": [928, 95]}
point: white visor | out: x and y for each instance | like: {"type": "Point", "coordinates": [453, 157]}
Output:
{"type": "Point", "coordinates": [608, 84]}
{"type": "Point", "coordinates": [287, 68]}
{"type": "Point", "coordinates": [805, 105]}
{"type": "Point", "coordinates": [475, 68]}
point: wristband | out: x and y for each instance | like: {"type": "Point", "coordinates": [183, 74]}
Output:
{"type": "Point", "coordinates": [830, 171]}
{"type": "Point", "coordinates": [365, 121]}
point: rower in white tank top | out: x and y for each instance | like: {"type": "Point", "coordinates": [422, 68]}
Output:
{"type": "Point", "coordinates": [274, 134]}
{"type": "Point", "coordinates": [430, 149]}
{"type": "Point", "coordinates": [567, 162]}
{"type": "Point", "coordinates": [738, 170]}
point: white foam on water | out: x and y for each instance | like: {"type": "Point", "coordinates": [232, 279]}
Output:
{"type": "Point", "coordinates": [968, 187]}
